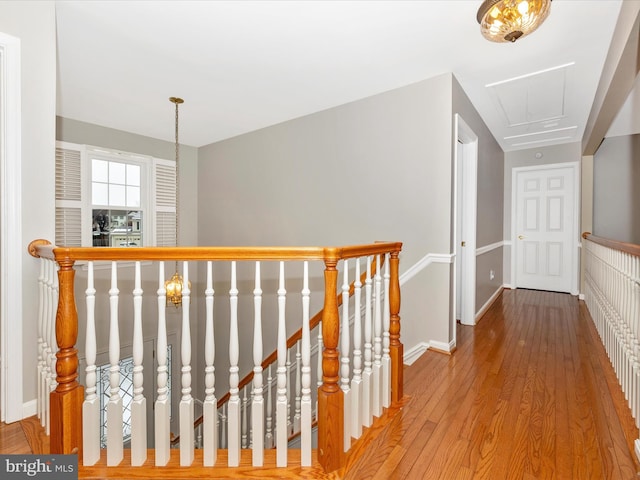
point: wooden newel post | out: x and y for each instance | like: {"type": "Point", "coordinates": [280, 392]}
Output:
{"type": "Point", "coordinates": [396, 349]}
{"type": "Point", "coordinates": [330, 396]}
{"type": "Point", "coordinates": [66, 400]}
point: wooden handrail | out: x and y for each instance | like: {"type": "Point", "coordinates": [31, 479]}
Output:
{"type": "Point", "coordinates": [44, 249]}
{"type": "Point", "coordinates": [291, 341]}
{"type": "Point", "coordinates": [629, 248]}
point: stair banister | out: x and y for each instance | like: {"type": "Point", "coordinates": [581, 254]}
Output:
{"type": "Point", "coordinates": [330, 397]}
{"type": "Point", "coordinates": [396, 349]}
{"type": "Point", "coordinates": [67, 399]}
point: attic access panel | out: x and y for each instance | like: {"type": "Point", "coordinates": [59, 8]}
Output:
{"type": "Point", "coordinates": [532, 98]}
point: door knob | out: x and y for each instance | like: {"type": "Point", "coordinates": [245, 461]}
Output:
{"type": "Point", "coordinates": [520, 237]}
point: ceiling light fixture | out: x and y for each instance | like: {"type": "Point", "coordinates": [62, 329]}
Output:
{"type": "Point", "coordinates": [175, 285]}
{"type": "Point", "coordinates": [508, 20]}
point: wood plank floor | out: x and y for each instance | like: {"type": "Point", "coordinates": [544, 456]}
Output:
{"type": "Point", "coordinates": [528, 394]}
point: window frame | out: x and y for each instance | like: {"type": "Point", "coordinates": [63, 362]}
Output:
{"type": "Point", "coordinates": [157, 196]}
{"type": "Point", "coordinates": [146, 165]}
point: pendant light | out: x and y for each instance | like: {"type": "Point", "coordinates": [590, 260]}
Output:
{"type": "Point", "coordinates": [175, 285]}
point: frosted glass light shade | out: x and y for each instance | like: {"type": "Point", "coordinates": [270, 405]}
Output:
{"type": "Point", "coordinates": [508, 20]}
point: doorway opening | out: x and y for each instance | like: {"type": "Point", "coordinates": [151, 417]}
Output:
{"type": "Point", "coordinates": [465, 186]}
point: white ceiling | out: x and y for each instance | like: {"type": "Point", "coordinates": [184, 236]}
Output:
{"type": "Point", "coordinates": [245, 65]}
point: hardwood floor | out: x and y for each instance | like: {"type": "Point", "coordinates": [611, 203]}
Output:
{"type": "Point", "coordinates": [23, 437]}
{"type": "Point", "coordinates": [528, 394]}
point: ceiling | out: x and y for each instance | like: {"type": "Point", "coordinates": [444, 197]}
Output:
{"type": "Point", "coordinates": [244, 65]}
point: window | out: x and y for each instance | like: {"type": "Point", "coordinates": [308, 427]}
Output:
{"type": "Point", "coordinates": [117, 210]}
{"type": "Point", "coordinates": [108, 198]}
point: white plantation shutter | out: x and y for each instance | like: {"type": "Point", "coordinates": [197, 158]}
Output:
{"type": "Point", "coordinates": [73, 195]}
{"type": "Point", "coordinates": [69, 200]}
{"type": "Point", "coordinates": [164, 201]}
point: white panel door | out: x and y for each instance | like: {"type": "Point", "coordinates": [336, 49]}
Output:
{"type": "Point", "coordinates": [544, 228]}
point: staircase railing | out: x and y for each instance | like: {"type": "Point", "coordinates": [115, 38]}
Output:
{"type": "Point", "coordinates": [61, 396]}
{"type": "Point", "coordinates": [612, 295]}
{"type": "Point", "coordinates": [293, 345]}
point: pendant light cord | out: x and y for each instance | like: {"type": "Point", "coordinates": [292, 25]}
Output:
{"type": "Point", "coordinates": [177, 101]}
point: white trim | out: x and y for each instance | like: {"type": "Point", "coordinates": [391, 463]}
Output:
{"type": "Point", "coordinates": [581, 296]}
{"type": "Point", "coordinates": [442, 346]}
{"type": "Point", "coordinates": [465, 135]}
{"type": "Point", "coordinates": [636, 448]}
{"type": "Point", "coordinates": [489, 248]}
{"type": "Point", "coordinates": [423, 263]}
{"type": "Point", "coordinates": [411, 355]}
{"type": "Point", "coordinates": [30, 408]}
{"type": "Point", "coordinates": [11, 248]}
{"type": "Point", "coordinates": [488, 303]}
{"type": "Point", "coordinates": [527, 75]}
{"type": "Point", "coordinates": [506, 243]}
{"type": "Point", "coordinates": [575, 255]}
{"type": "Point", "coordinates": [414, 353]}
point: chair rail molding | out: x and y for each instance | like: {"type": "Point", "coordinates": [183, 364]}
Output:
{"type": "Point", "coordinates": [423, 263]}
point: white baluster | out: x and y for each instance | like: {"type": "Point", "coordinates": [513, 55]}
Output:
{"type": "Point", "coordinates": [91, 404]}
{"type": "Point", "coordinates": [367, 381]}
{"type": "Point", "coordinates": [114, 406]}
{"type": "Point", "coordinates": [46, 346]}
{"type": "Point", "coordinates": [268, 440]}
{"type": "Point", "coordinates": [386, 339]}
{"type": "Point", "coordinates": [139, 403]}
{"type": "Point", "coordinates": [305, 402]}
{"type": "Point", "coordinates": [319, 364]}
{"type": "Point", "coordinates": [296, 414]}
{"type": "Point", "coordinates": [163, 402]}
{"type": "Point", "coordinates": [635, 315]}
{"type": "Point", "coordinates": [187, 433]}
{"type": "Point", "coordinates": [377, 344]}
{"type": "Point", "coordinates": [245, 405]}
{"type": "Point", "coordinates": [53, 305]}
{"type": "Point", "coordinates": [210, 407]}
{"type": "Point", "coordinates": [257, 404]}
{"type": "Point", "coordinates": [223, 427]}
{"type": "Point", "coordinates": [344, 360]}
{"type": "Point", "coordinates": [199, 436]}
{"type": "Point", "coordinates": [233, 409]}
{"type": "Point", "coordinates": [288, 388]}
{"type": "Point", "coordinates": [356, 382]}
{"type": "Point", "coordinates": [50, 381]}
{"type": "Point", "coordinates": [281, 401]}
{"type": "Point", "coordinates": [41, 343]}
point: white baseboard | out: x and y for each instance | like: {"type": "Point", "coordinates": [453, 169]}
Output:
{"type": "Point", "coordinates": [414, 353]}
{"type": "Point", "coordinates": [488, 303]}
{"type": "Point", "coordinates": [581, 296]}
{"type": "Point", "coordinates": [30, 408]}
{"type": "Point", "coordinates": [443, 347]}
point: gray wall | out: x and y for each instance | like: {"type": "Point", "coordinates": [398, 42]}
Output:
{"type": "Point", "coordinates": [616, 189]}
{"type": "Point", "coordinates": [375, 169]}
{"type": "Point", "coordinates": [490, 198]}
{"type": "Point", "coordinates": [34, 24]}
{"type": "Point", "coordinates": [568, 152]}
